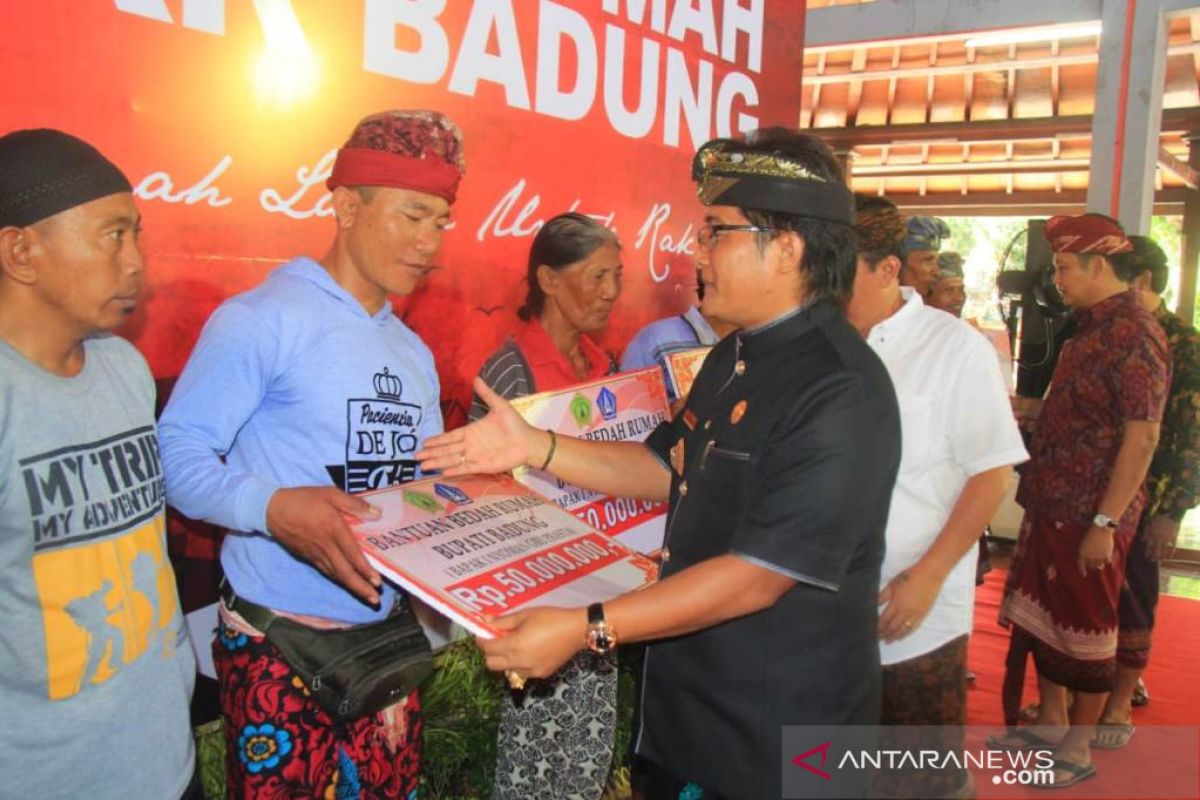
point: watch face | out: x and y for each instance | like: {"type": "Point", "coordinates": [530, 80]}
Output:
{"type": "Point", "coordinates": [599, 638]}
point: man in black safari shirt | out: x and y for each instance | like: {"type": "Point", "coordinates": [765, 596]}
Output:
{"type": "Point", "coordinates": [779, 471]}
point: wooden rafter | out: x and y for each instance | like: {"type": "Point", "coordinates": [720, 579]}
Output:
{"type": "Point", "coordinates": [997, 144]}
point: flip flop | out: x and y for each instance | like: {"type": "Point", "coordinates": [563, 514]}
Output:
{"type": "Point", "coordinates": [1141, 697]}
{"type": "Point", "coordinates": [1028, 741]}
{"type": "Point", "coordinates": [1030, 712]}
{"type": "Point", "coordinates": [1112, 735]}
{"type": "Point", "coordinates": [1078, 774]}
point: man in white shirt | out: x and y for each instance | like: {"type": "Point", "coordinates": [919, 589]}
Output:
{"type": "Point", "coordinates": [959, 444]}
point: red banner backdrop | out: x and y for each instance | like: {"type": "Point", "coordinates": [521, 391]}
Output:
{"type": "Point", "coordinates": [226, 113]}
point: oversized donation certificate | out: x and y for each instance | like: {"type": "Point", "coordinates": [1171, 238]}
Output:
{"type": "Point", "coordinates": [683, 366]}
{"type": "Point", "coordinates": [484, 545]}
{"type": "Point", "coordinates": [621, 408]}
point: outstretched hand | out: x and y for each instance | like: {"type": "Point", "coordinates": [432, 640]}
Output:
{"type": "Point", "coordinates": [497, 443]}
{"type": "Point", "coordinates": [310, 522]}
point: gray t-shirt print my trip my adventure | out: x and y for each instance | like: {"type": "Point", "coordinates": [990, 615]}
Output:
{"type": "Point", "coordinates": [96, 671]}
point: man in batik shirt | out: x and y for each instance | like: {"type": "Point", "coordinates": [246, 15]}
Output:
{"type": "Point", "coordinates": [1172, 488]}
{"type": "Point", "coordinates": [1083, 494]}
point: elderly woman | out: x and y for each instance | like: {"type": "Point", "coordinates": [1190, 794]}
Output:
{"type": "Point", "coordinates": [557, 741]}
{"type": "Point", "coordinates": [574, 279]}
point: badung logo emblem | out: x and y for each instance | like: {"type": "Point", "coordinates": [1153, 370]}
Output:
{"type": "Point", "coordinates": [802, 759]}
{"type": "Point", "coordinates": [452, 494]}
{"type": "Point", "coordinates": [423, 501]}
{"type": "Point", "coordinates": [581, 410]}
{"type": "Point", "coordinates": [606, 401]}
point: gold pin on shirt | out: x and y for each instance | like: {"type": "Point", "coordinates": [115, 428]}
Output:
{"type": "Point", "coordinates": [677, 457]}
{"type": "Point", "coordinates": [739, 411]}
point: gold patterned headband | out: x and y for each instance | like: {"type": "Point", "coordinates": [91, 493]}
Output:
{"type": "Point", "coordinates": [767, 181]}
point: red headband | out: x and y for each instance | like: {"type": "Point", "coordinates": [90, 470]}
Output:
{"type": "Point", "coordinates": [362, 166]}
{"type": "Point", "coordinates": [1086, 233]}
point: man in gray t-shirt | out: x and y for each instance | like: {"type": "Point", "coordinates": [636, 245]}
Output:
{"type": "Point", "coordinates": [96, 671]}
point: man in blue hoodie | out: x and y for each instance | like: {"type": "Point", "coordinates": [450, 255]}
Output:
{"type": "Point", "coordinates": [299, 391]}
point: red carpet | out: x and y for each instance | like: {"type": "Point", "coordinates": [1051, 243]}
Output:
{"type": "Point", "coordinates": [1173, 677]}
{"type": "Point", "coordinates": [1160, 762]}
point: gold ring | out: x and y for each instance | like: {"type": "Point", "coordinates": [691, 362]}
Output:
{"type": "Point", "coordinates": [462, 460]}
{"type": "Point", "coordinates": [515, 681]}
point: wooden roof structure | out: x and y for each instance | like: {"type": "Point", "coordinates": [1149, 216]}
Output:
{"type": "Point", "coordinates": [969, 123]}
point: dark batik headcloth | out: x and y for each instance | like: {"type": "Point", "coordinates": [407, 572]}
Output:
{"type": "Point", "coordinates": [950, 265]}
{"type": "Point", "coordinates": [728, 175]}
{"type": "Point", "coordinates": [925, 233]}
{"type": "Point", "coordinates": [879, 227]}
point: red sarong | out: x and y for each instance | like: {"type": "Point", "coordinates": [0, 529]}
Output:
{"type": "Point", "coordinates": [1139, 599]}
{"type": "Point", "coordinates": [281, 744]}
{"type": "Point", "coordinates": [1069, 620]}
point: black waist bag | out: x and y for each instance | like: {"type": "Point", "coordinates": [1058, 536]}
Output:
{"type": "Point", "coordinates": [351, 672]}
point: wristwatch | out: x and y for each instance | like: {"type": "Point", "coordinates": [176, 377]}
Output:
{"type": "Point", "coordinates": [601, 638]}
{"type": "Point", "coordinates": [1103, 520]}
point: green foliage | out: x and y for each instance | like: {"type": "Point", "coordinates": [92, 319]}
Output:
{"type": "Point", "coordinates": [629, 668]}
{"type": "Point", "coordinates": [1167, 233]}
{"type": "Point", "coordinates": [986, 239]}
{"type": "Point", "coordinates": [987, 244]}
{"type": "Point", "coordinates": [210, 757]}
{"type": "Point", "coordinates": [461, 707]}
